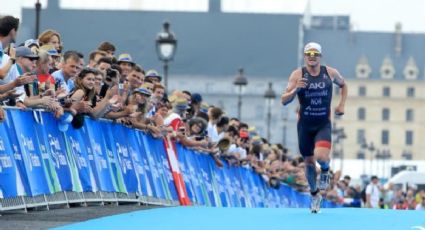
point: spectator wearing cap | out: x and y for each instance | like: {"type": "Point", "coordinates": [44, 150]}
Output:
{"type": "Point", "coordinates": [203, 109]}
{"type": "Point", "coordinates": [94, 58]}
{"type": "Point", "coordinates": [196, 102]}
{"type": "Point", "coordinates": [25, 65]}
{"type": "Point", "coordinates": [107, 47]}
{"type": "Point", "coordinates": [69, 70]}
{"type": "Point", "coordinates": [55, 57]}
{"type": "Point", "coordinates": [51, 37]}
{"type": "Point", "coordinates": [138, 105]}
{"type": "Point", "coordinates": [153, 76]}
{"type": "Point", "coordinates": [8, 32]}
{"type": "Point", "coordinates": [178, 113]}
{"type": "Point", "coordinates": [126, 63]}
{"type": "Point", "coordinates": [33, 45]}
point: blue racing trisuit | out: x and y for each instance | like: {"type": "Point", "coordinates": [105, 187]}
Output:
{"type": "Point", "coordinates": [314, 125]}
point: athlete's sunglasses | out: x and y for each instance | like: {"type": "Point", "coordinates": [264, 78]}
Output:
{"type": "Point", "coordinates": [312, 53]}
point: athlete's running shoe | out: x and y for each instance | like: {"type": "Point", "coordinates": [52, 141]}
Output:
{"type": "Point", "coordinates": [316, 201]}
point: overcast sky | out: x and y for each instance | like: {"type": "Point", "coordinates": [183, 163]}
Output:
{"type": "Point", "coordinates": [366, 15]}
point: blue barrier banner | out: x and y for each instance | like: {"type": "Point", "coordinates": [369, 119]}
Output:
{"type": "Point", "coordinates": [221, 185]}
{"type": "Point", "coordinates": [149, 188]}
{"type": "Point", "coordinates": [159, 159]}
{"type": "Point", "coordinates": [259, 188]}
{"type": "Point", "coordinates": [207, 178]}
{"type": "Point", "coordinates": [192, 165]}
{"type": "Point", "coordinates": [99, 161]}
{"type": "Point", "coordinates": [78, 152]}
{"type": "Point", "coordinates": [30, 152]}
{"type": "Point", "coordinates": [143, 186]}
{"type": "Point", "coordinates": [236, 174]}
{"type": "Point", "coordinates": [48, 145]}
{"type": "Point", "coordinates": [232, 184]}
{"type": "Point", "coordinates": [112, 156]}
{"type": "Point", "coordinates": [123, 146]}
{"type": "Point", "coordinates": [11, 184]}
{"type": "Point", "coordinates": [36, 158]}
{"type": "Point", "coordinates": [151, 158]}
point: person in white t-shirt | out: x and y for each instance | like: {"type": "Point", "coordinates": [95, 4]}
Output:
{"type": "Point", "coordinates": [214, 115]}
{"type": "Point", "coordinates": [373, 192]}
{"type": "Point", "coordinates": [8, 32]}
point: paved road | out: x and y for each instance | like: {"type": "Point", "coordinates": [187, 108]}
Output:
{"type": "Point", "coordinates": [42, 219]}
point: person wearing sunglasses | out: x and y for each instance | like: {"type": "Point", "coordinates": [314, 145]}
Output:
{"type": "Point", "coordinates": [312, 83]}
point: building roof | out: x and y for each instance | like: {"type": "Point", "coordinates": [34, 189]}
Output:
{"type": "Point", "coordinates": [343, 49]}
{"type": "Point", "coordinates": [211, 43]}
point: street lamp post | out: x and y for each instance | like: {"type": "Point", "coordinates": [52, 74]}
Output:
{"type": "Point", "coordinates": [240, 83]}
{"type": "Point", "coordinates": [270, 96]}
{"type": "Point", "coordinates": [37, 18]}
{"type": "Point", "coordinates": [166, 46]}
{"type": "Point", "coordinates": [371, 148]}
{"type": "Point", "coordinates": [339, 135]}
{"type": "Point", "coordinates": [285, 119]}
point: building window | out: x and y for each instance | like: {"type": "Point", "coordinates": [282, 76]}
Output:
{"type": "Point", "coordinates": [385, 114]}
{"type": "Point", "coordinates": [411, 92]}
{"type": "Point", "coordinates": [410, 116]}
{"type": "Point", "coordinates": [361, 155]}
{"type": "Point", "coordinates": [409, 137]}
{"type": "Point", "coordinates": [360, 136]}
{"type": "Point", "coordinates": [361, 114]}
{"type": "Point", "coordinates": [362, 91]}
{"type": "Point", "coordinates": [385, 137]}
{"type": "Point", "coordinates": [386, 91]}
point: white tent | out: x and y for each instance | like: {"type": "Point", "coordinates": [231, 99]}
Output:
{"type": "Point", "coordinates": [408, 177]}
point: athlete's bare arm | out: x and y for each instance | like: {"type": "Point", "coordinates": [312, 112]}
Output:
{"type": "Point", "coordinates": [295, 81]}
{"type": "Point", "coordinates": [339, 81]}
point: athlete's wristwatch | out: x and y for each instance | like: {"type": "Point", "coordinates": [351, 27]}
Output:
{"type": "Point", "coordinates": [13, 60]}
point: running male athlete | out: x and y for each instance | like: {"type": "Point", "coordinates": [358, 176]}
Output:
{"type": "Point", "coordinates": [313, 86]}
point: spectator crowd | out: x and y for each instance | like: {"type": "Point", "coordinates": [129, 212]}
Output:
{"type": "Point", "coordinates": [41, 73]}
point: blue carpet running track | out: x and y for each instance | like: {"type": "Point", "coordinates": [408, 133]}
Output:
{"type": "Point", "coordinates": [204, 218]}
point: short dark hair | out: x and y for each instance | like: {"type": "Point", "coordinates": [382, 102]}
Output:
{"type": "Point", "coordinates": [223, 121]}
{"type": "Point", "coordinates": [243, 125]}
{"type": "Point", "coordinates": [234, 119]}
{"type": "Point", "coordinates": [93, 54]}
{"type": "Point", "coordinates": [81, 55]}
{"type": "Point", "coordinates": [106, 46]}
{"type": "Point", "coordinates": [117, 67]}
{"type": "Point", "coordinates": [138, 68]}
{"type": "Point", "coordinates": [71, 54]}
{"type": "Point", "coordinates": [107, 60]}
{"type": "Point", "coordinates": [7, 24]}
